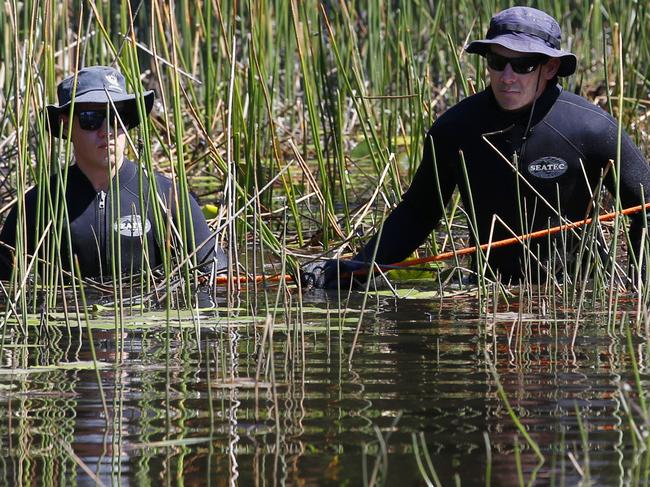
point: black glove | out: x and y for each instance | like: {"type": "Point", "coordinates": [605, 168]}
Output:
{"type": "Point", "coordinates": [331, 273]}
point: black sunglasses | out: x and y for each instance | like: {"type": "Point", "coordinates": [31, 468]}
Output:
{"type": "Point", "coordinates": [520, 65]}
{"type": "Point", "coordinates": [93, 119]}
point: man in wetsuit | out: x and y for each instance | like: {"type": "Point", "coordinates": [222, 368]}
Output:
{"type": "Point", "coordinates": [534, 156]}
{"type": "Point", "coordinates": [111, 204]}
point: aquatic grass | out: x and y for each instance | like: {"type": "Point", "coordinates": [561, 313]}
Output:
{"type": "Point", "coordinates": [582, 428]}
{"type": "Point", "coordinates": [360, 100]}
{"type": "Point", "coordinates": [488, 454]}
{"type": "Point", "coordinates": [369, 279]}
{"type": "Point", "coordinates": [522, 430]}
{"type": "Point", "coordinates": [201, 60]}
{"type": "Point", "coordinates": [91, 341]}
{"type": "Point", "coordinates": [446, 219]}
{"type": "Point", "coordinates": [481, 260]}
{"type": "Point", "coordinates": [425, 467]}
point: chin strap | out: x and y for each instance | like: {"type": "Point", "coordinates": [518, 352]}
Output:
{"type": "Point", "coordinates": [524, 138]}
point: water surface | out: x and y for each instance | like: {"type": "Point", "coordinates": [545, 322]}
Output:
{"type": "Point", "coordinates": [205, 404]}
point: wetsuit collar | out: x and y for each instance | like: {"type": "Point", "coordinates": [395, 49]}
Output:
{"type": "Point", "coordinates": [128, 170]}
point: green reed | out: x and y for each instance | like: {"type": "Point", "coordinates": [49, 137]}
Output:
{"type": "Point", "coordinates": [247, 91]}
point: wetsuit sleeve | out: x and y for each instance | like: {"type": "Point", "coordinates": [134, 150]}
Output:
{"type": "Point", "coordinates": [634, 177]}
{"type": "Point", "coordinates": [8, 237]}
{"type": "Point", "coordinates": [634, 190]}
{"type": "Point", "coordinates": [409, 224]}
{"type": "Point", "coordinates": [8, 233]}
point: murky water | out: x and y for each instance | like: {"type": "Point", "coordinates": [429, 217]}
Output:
{"type": "Point", "coordinates": [214, 407]}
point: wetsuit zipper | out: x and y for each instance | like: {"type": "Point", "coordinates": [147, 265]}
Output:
{"type": "Point", "coordinates": [101, 225]}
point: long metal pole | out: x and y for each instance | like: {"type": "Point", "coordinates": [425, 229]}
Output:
{"type": "Point", "coordinates": [468, 250]}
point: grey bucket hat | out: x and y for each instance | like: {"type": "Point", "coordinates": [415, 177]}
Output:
{"type": "Point", "coordinates": [97, 84]}
{"type": "Point", "coordinates": [526, 29]}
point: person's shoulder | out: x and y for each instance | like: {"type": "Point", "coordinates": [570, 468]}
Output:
{"type": "Point", "coordinates": [31, 202]}
{"type": "Point", "coordinates": [477, 103]}
{"type": "Point", "coordinates": [571, 99]}
{"type": "Point", "coordinates": [164, 183]}
{"type": "Point", "coordinates": [163, 179]}
{"type": "Point", "coordinates": [579, 108]}
{"type": "Point", "coordinates": [587, 125]}
{"type": "Point", "coordinates": [464, 112]}
{"type": "Point", "coordinates": [131, 170]}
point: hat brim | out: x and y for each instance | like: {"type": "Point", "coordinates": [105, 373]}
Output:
{"type": "Point", "coordinates": [520, 42]}
{"type": "Point", "coordinates": [130, 112]}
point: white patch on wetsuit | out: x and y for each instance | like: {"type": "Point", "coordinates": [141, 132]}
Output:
{"type": "Point", "coordinates": [548, 167]}
{"type": "Point", "coordinates": [131, 226]}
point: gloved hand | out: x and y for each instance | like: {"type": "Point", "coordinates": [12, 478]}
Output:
{"type": "Point", "coordinates": [331, 273]}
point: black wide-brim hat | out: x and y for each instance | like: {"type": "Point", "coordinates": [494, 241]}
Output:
{"type": "Point", "coordinates": [526, 29]}
{"type": "Point", "coordinates": [97, 84]}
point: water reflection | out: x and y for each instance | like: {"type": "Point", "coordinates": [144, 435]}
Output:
{"type": "Point", "coordinates": [221, 409]}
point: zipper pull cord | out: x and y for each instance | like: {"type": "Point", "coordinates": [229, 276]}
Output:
{"type": "Point", "coordinates": [102, 200]}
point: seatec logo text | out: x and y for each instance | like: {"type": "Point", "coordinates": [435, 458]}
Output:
{"type": "Point", "coordinates": [131, 226]}
{"type": "Point", "coordinates": [548, 167]}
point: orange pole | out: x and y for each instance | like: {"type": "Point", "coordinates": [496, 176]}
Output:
{"type": "Point", "coordinates": [465, 251]}
{"type": "Point", "coordinates": [519, 239]}
{"type": "Point", "coordinates": [244, 279]}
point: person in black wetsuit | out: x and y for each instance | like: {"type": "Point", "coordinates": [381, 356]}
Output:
{"type": "Point", "coordinates": [532, 152]}
{"type": "Point", "coordinates": [110, 202]}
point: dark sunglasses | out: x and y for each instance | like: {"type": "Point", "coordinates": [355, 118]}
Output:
{"type": "Point", "coordinates": [93, 119]}
{"type": "Point", "coordinates": [520, 65]}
